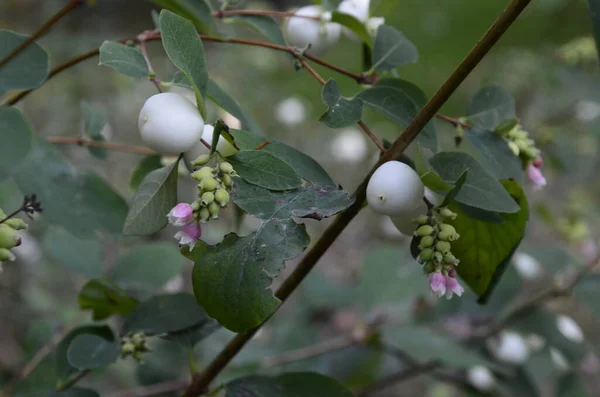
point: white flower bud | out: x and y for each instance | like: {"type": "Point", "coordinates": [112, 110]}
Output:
{"type": "Point", "coordinates": [481, 378]}
{"type": "Point", "coordinates": [170, 124]}
{"type": "Point", "coordinates": [569, 328]}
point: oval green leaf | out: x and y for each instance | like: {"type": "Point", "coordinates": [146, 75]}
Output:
{"type": "Point", "coordinates": [89, 351]}
{"type": "Point", "coordinates": [263, 169]}
{"type": "Point", "coordinates": [28, 69]}
{"type": "Point", "coordinates": [124, 59]}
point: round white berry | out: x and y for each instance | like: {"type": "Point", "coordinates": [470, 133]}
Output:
{"type": "Point", "coordinates": [527, 266]}
{"type": "Point", "coordinates": [359, 9]}
{"type": "Point", "coordinates": [404, 223]}
{"type": "Point", "coordinates": [394, 189]}
{"type": "Point", "coordinates": [569, 328]}
{"type": "Point", "coordinates": [169, 123]}
{"type": "Point", "coordinates": [481, 378]}
{"type": "Point", "coordinates": [225, 148]}
{"type": "Point", "coordinates": [559, 359]}
{"type": "Point", "coordinates": [303, 31]}
{"type": "Point", "coordinates": [509, 347]}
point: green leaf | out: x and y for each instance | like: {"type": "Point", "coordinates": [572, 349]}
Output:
{"type": "Point", "coordinates": [481, 190]}
{"type": "Point", "coordinates": [315, 202]}
{"type": "Point", "coordinates": [354, 25]}
{"type": "Point", "coordinates": [148, 164]}
{"type": "Point", "coordinates": [389, 278]}
{"type": "Point", "coordinates": [14, 130]}
{"type": "Point", "coordinates": [587, 291]}
{"type": "Point", "coordinates": [64, 369]}
{"type": "Point", "coordinates": [595, 14]}
{"type": "Point", "coordinates": [305, 166]}
{"type": "Point", "coordinates": [456, 189]}
{"type": "Point", "coordinates": [26, 70]}
{"type": "Point", "coordinates": [263, 24]}
{"type": "Point", "coordinates": [124, 59]}
{"type": "Point", "coordinates": [74, 392]}
{"type": "Point", "coordinates": [94, 120]}
{"type": "Point", "coordinates": [78, 200]}
{"type": "Point", "coordinates": [428, 176]}
{"type": "Point", "coordinates": [149, 265]}
{"type": "Point", "coordinates": [89, 351]}
{"type": "Point", "coordinates": [495, 155]}
{"type": "Point", "coordinates": [341, 112]}
{"type": "Point", "coordinates": [184, 48]}
{"type": "Point", "coordinates": [105, 299]}
{"type": "Point", "coordinates": [400, 101]}
{"type": "Point", "coordinates": [153, 200]}
{"type": "Point", "coordinates": [189, 337]}
{"type": "Point", "coordinates": [392, 49]}
{"type": "Point", "coordinates": [200, 13]}
{"type": "Point", "coordinates": [231, 280]}
{"type": "Point", "coordinates": [298, 384]}
{"type": "Point", "coordinates": [572, 385]}
{"type": "Point", "coordinates": [490, 106]}
{"type": "Point", "coordinates": [79, 255]}
{"type": "Point", "coordinates": [429, 345]}
{"type": "Point", "coordinates": [484, 249]}
{"type": "Point", "coordinates": [265, 170]}
{"type": "Point", "coordinates": [225, 101]}
{"type": "Point", "coordinates": [164, 313]}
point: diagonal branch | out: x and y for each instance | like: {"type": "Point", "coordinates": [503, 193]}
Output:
{"type": "Point", "coordinates": [483, 46]}
{"type": "Point", "coordinates": [41, 31]}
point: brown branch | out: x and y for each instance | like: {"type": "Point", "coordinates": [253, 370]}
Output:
{"type": "Point", "coordinates": [483, 46]}
{"type": "Point", "coordinates": [372, 136]}
{"type": "Point", "coordinates": [73, 4]}
{"type": "Point", "coordinates": [152, 390]}
{"type": "Point", "coordinates": [102, 144]}
{"type": "Point", "coordinates": [404, 375]}
{"type": "Point", "coordinates": [557, 290]}
{"type": "Point", "coordinates": [453, 121]}
{"type": "Point", "coordinates": [152, 77]}
{"type": "Point", "coordinates": [224, 14]}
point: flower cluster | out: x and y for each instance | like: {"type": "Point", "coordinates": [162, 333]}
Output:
{"type": "Point", "coordinates": [578, 51]}
{"type": "Point", "coordinates": [9, 236]}
{"type": "Point", "coordinates": [213, 194]}
{"type": "Point", "coordinates": [134, 346]}
{"type": "Point", "coordinates": [524, 147]}
{"type": "Point", "coordinates": [435, 251]}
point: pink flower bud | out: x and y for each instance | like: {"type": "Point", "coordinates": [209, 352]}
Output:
{"type": "Point", "coordinates": [437, 283]}
{"type": "Point", "coordinates": [181, 214]}
{"type": "Point", "coordinates": [452, 273]}
{"type": "Point", "coordinates": [536, 177]}
{"type": "Point", "coordinates": [538, 163]}
{"type": "Point", "coordinates": [189, 235]}
{"type": "Point", "coordinates": [453, 287]}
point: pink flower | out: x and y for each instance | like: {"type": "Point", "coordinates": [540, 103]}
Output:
{"type": "Point", "coordinates": [437, 282]}
{"type": "Point", "coordinates": [589, 250]}
{"type": "Point", "coordinates": [181, 214]}
{"type": "Point", "coordinates": [189, 235]}
{"type": "Point", "coordinates": [536, 177]}
{"type": "Point", "coordinates": [453, 287]}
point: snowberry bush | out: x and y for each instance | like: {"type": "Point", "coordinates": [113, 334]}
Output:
{"type": "Point", "coordinates": [457, 189]}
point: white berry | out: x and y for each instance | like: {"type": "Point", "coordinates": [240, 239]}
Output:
{"type": "Point", "coordinates": [404, 223]}
{"type": "Point", "coordinates": [170, 124]}
{"type": "Point", "coordinates": [509, 347]}
{"type": "Point", "coordinates": [359, 9]}
{"type": "Point", "coordinates": [481, 378]}
{"type": "Point", "coordinates": [303, 31]}
{"type": "Point", "coordinates": [395, 189]}
{"type": "Point", "coordinates": [225, 148]}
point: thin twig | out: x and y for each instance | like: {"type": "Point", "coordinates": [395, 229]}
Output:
{"type": "Point", "coordinates": [73, 4]}
{"type": "Point", "coordinates": [284, 14]}
{"type": "Point", "coordinates": [202, 141]}
{"type": "Point", "coordinates": [152, 390]}
{"type": "Point", "coordinates": [103, 144]}
{"type": "Point", "coordinates": [404, 375]}
{"type": "Point", "coordinates": [73, 380]}
{"type": "Point", "coordinates": [152, 77]}
{"type": "Point", "coordinates": [313, 72]}
{"type": "Point", "coordinates": [312, 256]}
{"type": "Point", "coordinates": [453, 121]}
{"type": "Point", "coordinates": [372, 136]}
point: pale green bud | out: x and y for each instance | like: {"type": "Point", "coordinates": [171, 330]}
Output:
{"type": "Point", "coordinates": [423, 231]}
{"type": "Point", "coordinates": [204, 172]}
{"type": "Point", "coordinates": [447, 213]}
{"type": "Point", "coordinates": [425, 242]}
{"type": "Point", "coordinates": [426, 254]}
{"type": "Point", "coordinates": [138, 339]}
{"type": "Point", "coordinates": [6, 255]}
{"type": "Point", "coordinates": [514, 148]}
{"type": "Point", "coordinates": [9, 238]}
{"type": "Point", "coordinates": [209, 184]}
{"type": "Point", "coordinates": [226, 168]}
{"type": "Point", "coordinates": [444, 236]}
{"type": "Point", "coordinates": [204, 214]}
{"type": "Point", "coordinates": [222, 197]}
{"type": "Point", "coordinates": [420, 220]}
{"type": "Point", "coordinates": [450, 259]}
{"type": "Point", "coordinates": [196, 206]}
{"type": "Point", "coordinates": [522, 144]}
{"type": "Point", "coordinates": [429, 268]}
{"type": "Point", "coordinates": [443, 247]}
{"type": "Point", "coordinates": [202, 159]}
{"type": "Point", "coordinates": [227, 181]}
{"type": "Point", "coordinates": [214, 209]}
{"type": "Point", "coordinates": [437, 257]}
{"type": "Point", "coordinates": [208, 198]}
{"type": "Point", "coordinates": [128, 348]}
{"type": "Point", "coordinates": [16, 223]}
{"type": "Point", "coordinates": [531, 153]}
{"type": "Point", "coordinates": [444, 227]}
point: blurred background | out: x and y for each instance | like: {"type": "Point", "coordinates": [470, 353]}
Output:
{"type": "Point", "coordinates": [546, 60]}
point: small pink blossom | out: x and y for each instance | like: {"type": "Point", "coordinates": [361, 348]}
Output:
{"type": "Point", "coordinates": [589, 250]}
{"type": "Point", "coordinates": [536, 177]}
{"type": "Point", "coordinates": [189, 235]}
{"type": "Point", "coordinates": [437, 282]}
{"type": "Point", "coordinates": [453, 287]}
{"type": "Point", "coordinates": [181, 214]}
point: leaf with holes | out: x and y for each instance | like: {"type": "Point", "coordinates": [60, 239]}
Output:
{"type": "Point", "coordinates": [265, 170]}
{"type": "Point", "coordinates": [341, 111]}
{"type": "Point", "coordinates": [153, 200]}
{"type": "Point", "coordinates": [89, 351]}
{"type": "Point", "coordinates": [124, 59]}
{"type": "Point", "coordinates": [392, 49]}
{"type": "Point", "coordinates": [231, 280]}
{"type": "Point", "coordinates": [26, 70]}
{"type": "Point", "coordinates": [315, 202]}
